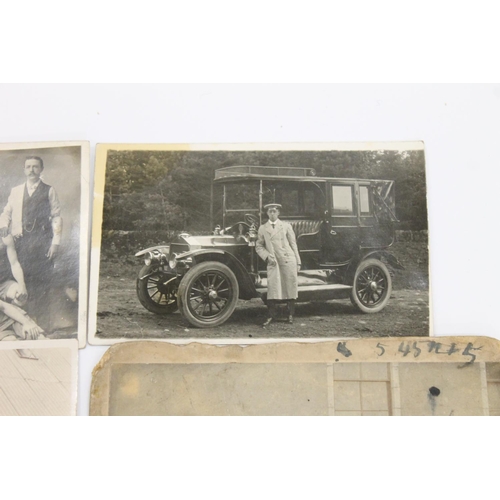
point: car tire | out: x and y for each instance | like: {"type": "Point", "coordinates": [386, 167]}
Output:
{"type": "Point", "coordinates": [208, 294]}
{"type": "Point", "coordinates": [153, 294]}
{"type": "Point", "coordinates": [372, 286]}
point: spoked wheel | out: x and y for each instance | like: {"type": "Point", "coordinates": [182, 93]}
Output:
{"type": "Point", "coordinates": [372, 286]}
{"type": "Point", "coordinates": [208, 294]}
{"type": "Point", "coordinates": [157, 292]}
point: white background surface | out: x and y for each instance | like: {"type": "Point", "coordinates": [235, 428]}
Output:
{"type": "Point", "coordinates": [273, 41]}
{"type": "Point", "coordinates": [460, 126]}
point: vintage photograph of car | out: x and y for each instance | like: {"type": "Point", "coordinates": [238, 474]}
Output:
{"type": "Point", "coordinates": [186, 250]}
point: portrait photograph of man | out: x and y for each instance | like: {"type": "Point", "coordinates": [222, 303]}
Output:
{"type": "Point", "coordinates": [43, 231]}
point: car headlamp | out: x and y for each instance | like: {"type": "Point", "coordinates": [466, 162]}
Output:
{"type": "Point", "coordinates": [148, 258]}
{"type": "Point", "coordinates": [172, 262]}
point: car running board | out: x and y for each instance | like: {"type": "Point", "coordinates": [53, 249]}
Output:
{"type": "Point", "coordinates": [316, 288]}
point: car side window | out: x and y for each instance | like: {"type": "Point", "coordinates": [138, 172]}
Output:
{"type": "Point", "coordinates": [364, 200]}
{"type": "Point", "coordinates": [342, 200]}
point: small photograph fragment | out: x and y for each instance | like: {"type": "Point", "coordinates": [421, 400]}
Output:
{"type": "Point", "coordinates": [259, 242]}
{"type": "Point", "coordinates": [44, 224]}
{"type": "Point", "coordinates": [455, 376]}
{"type": "Point", "coordinates": [38, 378]}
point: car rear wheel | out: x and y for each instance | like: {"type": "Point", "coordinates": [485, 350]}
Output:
{"type": "Point", "coordinates": [208, 294]}
{"type": "Point", "coordinates": [156, 291]}
{"type": "Point", "coordinates": [372, 286]}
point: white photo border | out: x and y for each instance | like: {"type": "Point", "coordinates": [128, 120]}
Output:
{"type": "Point", "coordinates": [101, 153]}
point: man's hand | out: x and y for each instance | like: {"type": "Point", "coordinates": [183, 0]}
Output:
{"type": "Point", "coordinates": [31, 330]}
{"type": "Point", "coordinates": [53, 251]}
{"type": "Point", "coordinates": [22, 294]}
{"type": "Point", "coordinates": [298, 267]}
{"type": "Point", "coordinates": [271, 261]}
{"type": "Point", "coordinates": [4, 232]}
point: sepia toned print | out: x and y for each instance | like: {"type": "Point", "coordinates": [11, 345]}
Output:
{"type": "Point", "coordinates": [356, 377]}
{"type": "Point", "coordinates": [38, 378]}
{"type": "Point", "coordinates": [43, 241]}
{"type": "Point", "coordinates": [182, 247]}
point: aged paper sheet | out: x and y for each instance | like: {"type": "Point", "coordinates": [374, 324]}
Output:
{"type": "Point", "coordinates": [390, 376]}
{"type": "Point", "coordinates": [38, 377]}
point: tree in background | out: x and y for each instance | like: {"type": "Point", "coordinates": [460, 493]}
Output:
{"type": "Point", "coordinates": [170, 190]}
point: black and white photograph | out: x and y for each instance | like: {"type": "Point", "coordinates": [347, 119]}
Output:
{"type": "Point", "coordinates": [44, 241]}
{"type": "Point", "coordinates": [38, 378]}
{"type": "Point", "coordinates": [259, 242]}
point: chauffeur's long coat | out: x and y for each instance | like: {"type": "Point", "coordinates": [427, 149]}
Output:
{"type": "Point", "coordinates": [280, 242]}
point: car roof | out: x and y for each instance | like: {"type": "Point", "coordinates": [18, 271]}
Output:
{"type": "Point", "coordinates": [252, 172]}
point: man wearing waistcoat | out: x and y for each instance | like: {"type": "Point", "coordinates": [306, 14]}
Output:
{"type": "Point", "coordinates": [33, 218]}
{"type": "Point", "coordinates": [277, 246]}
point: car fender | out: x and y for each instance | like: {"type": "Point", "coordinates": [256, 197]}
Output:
{"type": "Point", "coordinates": [382, 255]}
{"type": "Point", "coordinates": [386, 256]}
{"type": "Point", "coordinates": [247, 286]}
{"type": "Point", "coordinates": [165, 249]}
{"type": "Point", "coordinates": [198, 252]}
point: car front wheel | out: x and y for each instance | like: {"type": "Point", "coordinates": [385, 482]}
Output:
{"type": "Point", "coordinates": [372, 286]}
{"type": "Point", "coordinates": [208, 294]}
{"type": "Point", "coordinates": [156, 291]}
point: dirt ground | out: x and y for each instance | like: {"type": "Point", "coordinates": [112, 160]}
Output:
{"type": "Point", "coordinates": [120, 315]}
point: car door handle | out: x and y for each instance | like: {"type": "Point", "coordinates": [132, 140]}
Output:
{"type": "Point", "coordinates": [333, 233]}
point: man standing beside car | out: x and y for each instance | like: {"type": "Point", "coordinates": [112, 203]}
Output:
{"type": "Point", "coordinates": [276, 245]}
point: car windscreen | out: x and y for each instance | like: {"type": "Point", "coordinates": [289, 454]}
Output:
{"type": "Point", "coordinates": [242, 196]}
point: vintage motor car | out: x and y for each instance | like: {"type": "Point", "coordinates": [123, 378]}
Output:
{"type": "Point", "coordinates": [343, 229]}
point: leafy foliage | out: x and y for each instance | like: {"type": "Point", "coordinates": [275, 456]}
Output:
{"type": "Point", "coordinates": [171, 190]}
